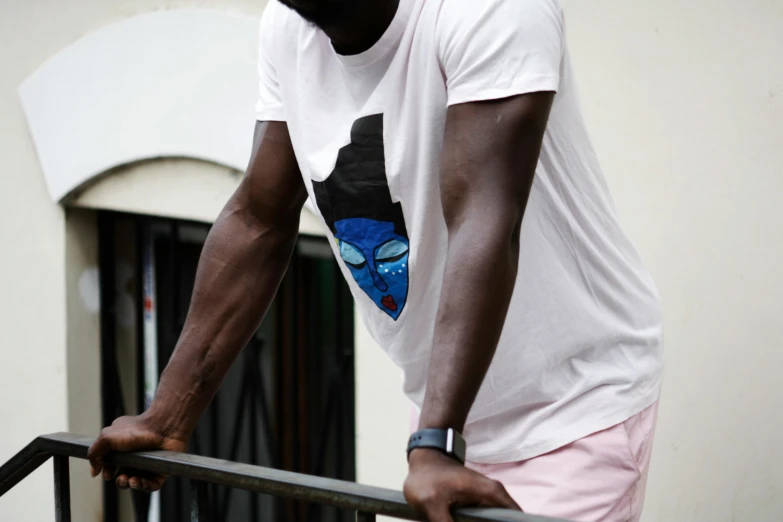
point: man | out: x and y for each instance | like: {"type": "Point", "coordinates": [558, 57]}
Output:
{"type": "Point", "coordinates": [442, 144]}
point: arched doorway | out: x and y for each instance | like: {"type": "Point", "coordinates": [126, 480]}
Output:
{"type": "Point", "coordinates": [287, 403]}
{"type": "Point", "coordinates": [134, 135]}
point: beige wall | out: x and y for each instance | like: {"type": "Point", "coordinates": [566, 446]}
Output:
{"type": "Point", "coordinates": [685, 103]}
{"type": "Point", "coordinates": [83, 360]}
{"type": "Point", "coordinates": [33, 365]}
{"type": "Point", "coordinates": [32, 264]}
{"type": "Point", "coordinates": [174, 187]}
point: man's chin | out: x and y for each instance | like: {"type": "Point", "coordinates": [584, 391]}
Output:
{"type": "Point", "coordinates": [322, 13]}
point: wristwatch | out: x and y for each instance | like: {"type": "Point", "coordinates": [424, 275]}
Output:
{"type": "Point", "coordinates": [448, 441]}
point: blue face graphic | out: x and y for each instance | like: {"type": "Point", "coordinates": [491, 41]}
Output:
{"type": "Point", "coordinates": [378, 260]}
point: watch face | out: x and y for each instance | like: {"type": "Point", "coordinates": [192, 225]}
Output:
{"type": "Point", "coordinates": [448, 441]}
{"type": "Point", "coordinates": [460, 447]}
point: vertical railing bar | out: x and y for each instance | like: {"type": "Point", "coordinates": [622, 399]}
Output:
{"type": "Point", "coordinates": [108, 326]}
{"type": "Point", "coordinates": [365, 517]}
{"type": "Point", "coordinates": [62, 490]}
{"type": "Point", "coordinates": [199, 501]}
{"type": "Point", "coordinates": [141, 501]}
{"type": "Point", "coordinates": [252, 419]}
{"type": "Point", "coordinates": [173, 285]}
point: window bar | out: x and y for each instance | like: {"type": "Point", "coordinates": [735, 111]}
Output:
{"type": "Point", "coordinates": [173, 281]}
{"type": "Point", "coordinates": [256, 350]}
{"type": "Point", "coordinates": [112, 404]}
{"type": "Point", "coordinates": [239, 426]}
{"type": "Point", "coordinates": [254, 432]}
{"type": "Point", "coordinates": [62, 490]}
{"type": "Point", "coordinates": [365, 517]}
{"type": "Point", "coordinates": [199, 501]}
{"type": "Point", "coordinates": [141, 500]}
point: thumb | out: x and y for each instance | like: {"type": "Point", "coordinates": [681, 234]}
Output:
{"type": "Point", "coordinates": [439, 514]}
{"type": "Point", "coordinates": [97, 452]}
{"type": "Point", "coordinates": [496, 495]}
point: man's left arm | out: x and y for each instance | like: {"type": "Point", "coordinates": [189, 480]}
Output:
{"type": "Point", "coordinates": [488, 163]}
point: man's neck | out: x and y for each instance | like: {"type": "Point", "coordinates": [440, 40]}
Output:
{"type": "Point", "coordinates": [363, 28]}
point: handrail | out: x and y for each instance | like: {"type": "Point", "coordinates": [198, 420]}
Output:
{"type": "Point", "coordinates": [365, 500]}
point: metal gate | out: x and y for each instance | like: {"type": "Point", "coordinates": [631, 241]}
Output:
{"type": "Point", "coordinates": [287, 403]}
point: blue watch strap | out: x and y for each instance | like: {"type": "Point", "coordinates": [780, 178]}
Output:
{"type": "Point", "coordinates": [448, 441]}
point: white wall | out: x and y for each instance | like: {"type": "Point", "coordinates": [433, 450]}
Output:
{"type": "Point", "coordinates": [83, 359]}
{"type": "Point", "coordinates": [685, 104]}
{"type": "Point", "coordinates": [684, 101]}
{"type": "Point", "coordinates": [34, 264]}
{"type": "Point", "coordinates": [32, 278]}
{"type": "Point", "coordinates": [382, 415]}
{"type": "Point", "coordinates": [179, 188]}
{"type": "Point", "coordinates": [33, 383]}
{"type": "Point", "coordinates": [168, 83]}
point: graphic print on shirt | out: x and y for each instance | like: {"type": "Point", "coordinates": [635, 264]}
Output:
{"type": "Point", "coordinates": [369, 227]}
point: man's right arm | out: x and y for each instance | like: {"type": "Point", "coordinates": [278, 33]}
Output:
{"type": "Point", "coordinates": [241, 266]}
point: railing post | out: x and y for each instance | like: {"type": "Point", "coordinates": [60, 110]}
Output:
{"type": "Point", "coordinates": [62, 490]}
{"type": "Point", "coordinates": [203, 471]}
{"type": "Point", "coordinates": [199, 501]}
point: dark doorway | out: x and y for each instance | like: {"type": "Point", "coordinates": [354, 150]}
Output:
{"type": "Point", "coordinates": [287, 403]}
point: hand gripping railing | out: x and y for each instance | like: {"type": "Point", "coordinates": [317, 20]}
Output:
{"type": "Point", "coordinates": [366, 501]}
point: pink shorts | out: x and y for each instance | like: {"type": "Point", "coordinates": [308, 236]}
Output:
{"type": "Point", "coordinates": [601, 477]}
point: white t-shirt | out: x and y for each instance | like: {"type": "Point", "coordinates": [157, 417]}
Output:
{"type": "Point", "coordinates": [581, 347]}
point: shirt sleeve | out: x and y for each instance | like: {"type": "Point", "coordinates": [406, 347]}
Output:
{"type": "Point", "coordinates": [270, 102]}
{"type": "Point", "coordinates": [494, 49]}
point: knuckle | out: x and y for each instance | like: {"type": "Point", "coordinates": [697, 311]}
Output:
{"type": "Point", "coordinates": [428, 496]}
{"type": "Point", "coordinates": [419, 497]}
{"type": "Point", "coordinates": [410, 491]}
{"type": "Point", "coordinates": [495, 488]}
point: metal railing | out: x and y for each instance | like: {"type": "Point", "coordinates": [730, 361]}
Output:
{"type": "Point", "coordinates": [366, 501]}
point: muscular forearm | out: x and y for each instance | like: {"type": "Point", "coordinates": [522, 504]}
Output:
{"type": "Point", "coordinates": [478, 281]}
{"type": "Point", "coordinates": [242, 264]}
{"type": "Point", "coordinates": [489, 161]}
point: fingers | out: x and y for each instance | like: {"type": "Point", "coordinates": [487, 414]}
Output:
{"type": "Point", "coordinates": [152, 485]}
{"type": "Point", "coordinates": [109, 471]}
{"type": "Point", "coordinates": [434, 492]}
{"type": "Point", "coordinates": [156, 483]}
{"type": "Point", "coordinates": [139, 481]}
{"type": "Point", "coordinates": [127, 434]}
{"type": "Point", "coordinates": [439, 513]}
{"type": "Point", "coordinates": [147, 482]}
{"type": "Point", "coordinates": [123, 481]}
{"type": "Point", "coordinates": [430, 503]}
{"type": "Point", "coordinates": [97, 452]}
{"type": "Point", "coordinates": [497, 496]}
